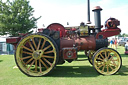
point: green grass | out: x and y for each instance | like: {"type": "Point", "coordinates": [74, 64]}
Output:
{"type": "Point", "coordinates": [75, 73]}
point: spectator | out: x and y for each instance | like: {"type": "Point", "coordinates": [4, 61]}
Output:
{"type": "Point", "coordinates": [111, 43]}
{"type": "Point", "coordinates": [115, 43]}
{"type": "Point", "coordinates": [126, 47]}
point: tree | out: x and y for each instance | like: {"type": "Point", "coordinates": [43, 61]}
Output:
{"type": "Point", "coordinates": [123, 35]}
{"type": "Point", "coordinates": [16, 17]}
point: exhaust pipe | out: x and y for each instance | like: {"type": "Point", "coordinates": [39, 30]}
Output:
{"type": "Point", "coordinates": [97, 18]}
{"type": "Point", "coordinates": [88, 12]}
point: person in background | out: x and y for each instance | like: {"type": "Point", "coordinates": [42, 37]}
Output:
{"type": "Point", "coordinates": [111, 43]}
{"type": "Point", "coordinates": [126, 47]}
{"type": "Point", "coordinates": [115, 43]}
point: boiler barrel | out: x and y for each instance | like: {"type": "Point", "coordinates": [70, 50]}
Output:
{"type": "Point", "coordinates": [84, 43]}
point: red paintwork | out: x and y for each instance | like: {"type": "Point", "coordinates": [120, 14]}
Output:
{"type": "Point", "coordinates": [126, 52]}
{"type": "Point", "coordinates": [13, 40]}
{"type": "Point", "coordinates": [69, 53]}
{"type": "Point", "coordinates": [97, 8]}
{"type": "Point", "coordinates": [112, 23]}
{"type": "Point", "coordinates": [82, 43]}
{"type": "Point", "coordinates": [108, 33]}
{"type": "Point", "coordinates": [57, 27]}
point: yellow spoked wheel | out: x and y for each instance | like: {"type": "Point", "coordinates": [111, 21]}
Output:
{"type": "Point", "coordinates": [36, 55]}
{"type": "Point", "coordinates": [90, 55]}
{"type": "Point", "coordinates": [107, 61]}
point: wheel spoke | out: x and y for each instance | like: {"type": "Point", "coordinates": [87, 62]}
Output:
{"type": "Point", "coordinates": [47, 61]}
{"type": "Point", "coordinates": [101, 55]}
{"type": "Point", "coordinates": [48, 56]}
{"type": "Point", "coordinates": [27, 53]}
{"type": "Point", "coordinates": [99, 62]}
{"type": "Point", "coordinates": [111, 57]}
{"type": "Point", "coordinates": [107, 69]}
{"type": "Point", "coordinates": [103, 67]}
{"type": "Point", "coordinates": [34, 43]}
{"type": "Point", "coordinates": [111, 67]}
{"type": "Point", "coordinates": [31, 46]}
{"type": "Point", "coordinates": [29, 61]}
{"type": "Point", "coordinates": [40, 67]}
{"type": "Point", "coordinates": [30, 65]}
{"type": "Point", "coordinates": [46, 47]}
{"type": "Point", "coordinates": [100, 66]}
{"type": "Point", "coordinates": [26, 57]}
{"type": "Point", "coordinates": [48, 52]}
{"type": "Point", "coordinates": [35, 65]}
{"type": "Point", "coordinates": [108, 55]}
{"type": "Point", "coordinates": [115, 60]}
{"type": "Point", "coordinates": [100, 59]}
{"type": "Point", "coordinates": [105, 53]}
{"type": "Point", "coordinates": [43, 63]}
{"type": "Point", "coordinates": [111, 63]}
{"type": "Point", "coordinates": [39, 44]}
{"type": "Point", "coordinates": [114, 63]}
{"type": "Point", "coordinates": [43, 44]}
{"type": "Point", "coordinates": [27, 48]}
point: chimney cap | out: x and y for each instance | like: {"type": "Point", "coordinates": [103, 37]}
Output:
{"type": "Point", "coordinates": [88, 22]}
{"type": "Point", "coordinates": [97, 8]}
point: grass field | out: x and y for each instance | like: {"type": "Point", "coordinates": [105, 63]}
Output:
{"type": "Point", "coordinates": [75, 73]}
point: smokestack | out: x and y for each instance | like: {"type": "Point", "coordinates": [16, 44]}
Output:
{"type": "Point", "coordinates": [97, 18]}
{"type": "Point", "coordinates": [88, 12]}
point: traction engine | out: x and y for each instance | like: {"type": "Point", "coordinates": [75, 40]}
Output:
{"type": "Point", "coordinates": [37, 54]}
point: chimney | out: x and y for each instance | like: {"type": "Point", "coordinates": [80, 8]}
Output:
{"type": "Point", "coordinates": [97, 18]}
{"type": "Point", "coordinates": [88, 12]}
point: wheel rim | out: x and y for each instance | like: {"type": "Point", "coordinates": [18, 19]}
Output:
{"type": "Point", "coordinates": [107, 61]}
{"type": "Point", "coordinates": [36, 55]}
{"type": "Point", "coordinates": [90, 55]}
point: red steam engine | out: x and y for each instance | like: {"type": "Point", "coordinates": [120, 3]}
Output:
{"type": "Point", "coordinates": [37, 54]}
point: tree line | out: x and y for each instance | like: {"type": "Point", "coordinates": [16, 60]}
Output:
{"type": "Point", "coordinates": [123, 35]}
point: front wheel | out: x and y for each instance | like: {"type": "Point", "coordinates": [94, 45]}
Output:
{"type": "Point", "coordinates": [107, 61]}
{"type": "Point", "coordinates": [36, 55]}
{"type": "Point", "coordinates": [90, 55]}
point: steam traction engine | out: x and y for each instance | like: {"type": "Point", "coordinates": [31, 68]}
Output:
{"type": "Point", "coordinates": [37, 54]}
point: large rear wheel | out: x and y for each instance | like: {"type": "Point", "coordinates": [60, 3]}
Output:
{"type": "Point", "coordinates": [107, 61]}
{"type": "Point", "coordinates": [36, 55]}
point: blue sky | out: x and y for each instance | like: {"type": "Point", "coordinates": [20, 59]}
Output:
{"type": "Point", "coordinates": [74, 11]}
